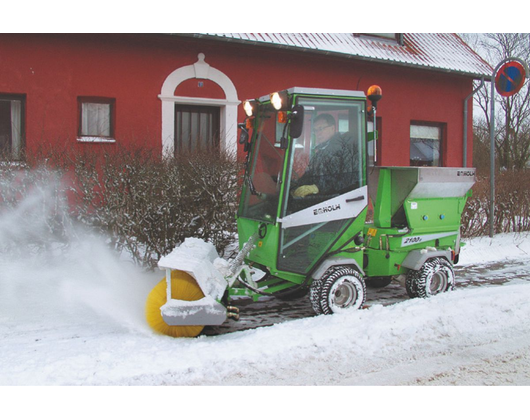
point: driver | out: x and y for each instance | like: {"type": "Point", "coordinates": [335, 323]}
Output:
{"type": "Point", "coordinates": [330, 168]}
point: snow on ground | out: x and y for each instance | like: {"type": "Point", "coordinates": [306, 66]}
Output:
{"type": "Point", "coordinates": [75, 317]}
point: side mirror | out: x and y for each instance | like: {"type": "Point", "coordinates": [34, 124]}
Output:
{"type": "Point", "coordinates": [243, 135]}
{"type": "Point", "coordinates": [296, 121]}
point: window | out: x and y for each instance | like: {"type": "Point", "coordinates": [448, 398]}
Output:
{"type": "Point", "coordinates": [12, 126]}
{"type": "Point", "coordinates": [96, 119]}
{"type": "Point", "coordinates": [196, 128]}
{"type": "Point", "coordinates": [426, 144]}
{"type": "Point", "coordinates": [385, 37]}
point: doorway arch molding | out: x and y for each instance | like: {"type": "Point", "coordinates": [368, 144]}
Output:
{"type": "Point", "coordinates": [228, 106]}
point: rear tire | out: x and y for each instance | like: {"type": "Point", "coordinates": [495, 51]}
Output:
{"type": "Point", "coordinates": [435, 276]}
{"type": "Point", "coordinates": [183, 287]}
{"type": "Point", "coordinates": [342, 289]}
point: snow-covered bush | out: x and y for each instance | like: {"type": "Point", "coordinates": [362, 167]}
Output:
{"type": "Point", "coordinates": [512, 205]}
{"type": "Point", "coordinates": [148, 204]}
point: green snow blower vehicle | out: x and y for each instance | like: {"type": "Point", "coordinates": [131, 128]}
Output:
{"type": "Point", "coordinates": [309, 183]}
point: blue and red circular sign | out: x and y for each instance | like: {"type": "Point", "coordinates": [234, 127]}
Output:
{"type": "Point", "coordinates": [510, 78]}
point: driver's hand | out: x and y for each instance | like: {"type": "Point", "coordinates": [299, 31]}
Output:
{"type": "Point", "coordinates": [305, 190]}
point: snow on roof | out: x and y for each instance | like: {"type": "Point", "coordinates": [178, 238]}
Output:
{"type": "Point", "coordinates": [437, 51]}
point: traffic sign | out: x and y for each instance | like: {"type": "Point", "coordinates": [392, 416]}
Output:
{"type": "Point", "coordinates": [510, 78]}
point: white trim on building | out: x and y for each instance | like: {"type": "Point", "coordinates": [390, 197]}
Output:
{"type": "Point", "coordinates": [228, 106]}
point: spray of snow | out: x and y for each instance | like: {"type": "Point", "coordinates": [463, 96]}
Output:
{"type": "Point", "coordinates": [52, 271]}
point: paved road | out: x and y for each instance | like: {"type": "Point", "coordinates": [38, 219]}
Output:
{"type": "Point", "coordinates": [268, 311]}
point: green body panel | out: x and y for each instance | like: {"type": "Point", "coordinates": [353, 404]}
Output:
{"type": "Point", "coordinates": [382, 206]}
{"type": "Point", "coordinates": [415, 209]}
{"type": "Point", "coordinates": [345, 247]}
{"type": "Point", "coordinates": [265, 252]}
{"type": "Point", "coordinates": [386, 248]}
{"type": "Point", "coordinates": [434, 214]}
{"type": "Point", "coordinates": [266, 246]}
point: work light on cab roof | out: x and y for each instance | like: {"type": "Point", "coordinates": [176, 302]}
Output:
{"type": "Point", "coordinates": [374, 94]}
{"type": "Point", "coordinates": [276, 101]}
{"type": "Point", "coordinates": [248, 106]}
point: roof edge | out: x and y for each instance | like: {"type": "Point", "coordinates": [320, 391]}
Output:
{"type": "Point", "coordinates": [339, 54]}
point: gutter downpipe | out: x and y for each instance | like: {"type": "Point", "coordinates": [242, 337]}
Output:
{"type": "Point", "coordinates": [465, 121]}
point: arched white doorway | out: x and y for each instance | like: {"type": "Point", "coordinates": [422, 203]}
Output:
{"type": "Point", "coordinates": [228, 106]}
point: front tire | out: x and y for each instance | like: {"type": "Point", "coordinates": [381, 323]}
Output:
{"type": "Point", "coordinates": [343, 289]}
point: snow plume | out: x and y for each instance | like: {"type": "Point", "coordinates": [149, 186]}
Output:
{"type": "Point", "coordinates": [55, 273]}
{"type": "Point", "coordinates": [33, 215]}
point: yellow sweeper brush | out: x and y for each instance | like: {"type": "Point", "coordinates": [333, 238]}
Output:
{"type": "Point", "coordinates": [184, 288]}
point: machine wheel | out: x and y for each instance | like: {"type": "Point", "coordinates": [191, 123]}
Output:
{"type": "Point", "coordinates": [342, 289]}
{"type": "Point", "coordinates": [314, 295]}
{"type": "Point", "coordinates": [435, 276]}
{"type": "Point", "coordinates": [183, 287]}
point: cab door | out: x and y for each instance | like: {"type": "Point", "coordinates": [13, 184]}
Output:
{"type": "Point", "coordinates": [329, 159]}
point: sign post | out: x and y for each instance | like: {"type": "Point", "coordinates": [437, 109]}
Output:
{"type": "Point", "coordinates": [508, 78]}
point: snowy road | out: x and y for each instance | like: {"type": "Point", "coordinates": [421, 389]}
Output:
{"type": "Point", "coordinates": [78, 320]}
{"type": "Point", "coordinates": [270, 311]}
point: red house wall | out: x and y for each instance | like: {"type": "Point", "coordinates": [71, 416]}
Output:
{"type": "Point", "coordinates": [408, 94]}
{"type": "Point", "coordinates": [54, 70]}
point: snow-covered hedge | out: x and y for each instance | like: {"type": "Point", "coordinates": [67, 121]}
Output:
{"type": "Point", "coordinates": [147, 204]}
{"type": "Point", "coordinates": [512, 205]}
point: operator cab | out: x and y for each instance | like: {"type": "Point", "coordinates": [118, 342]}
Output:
{"type": "Point", "coordinates": [306, 169]}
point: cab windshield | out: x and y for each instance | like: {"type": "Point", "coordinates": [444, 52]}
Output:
{"type": "Point", "coordinates": [263, 180]}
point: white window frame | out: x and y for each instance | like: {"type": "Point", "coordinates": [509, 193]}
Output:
{"type": "Point", "coordinates": [17, 105]}
{"type": "Point", "coordinates": [429, 132]}
{"type": "Point", "coordinates": [92, 113]}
